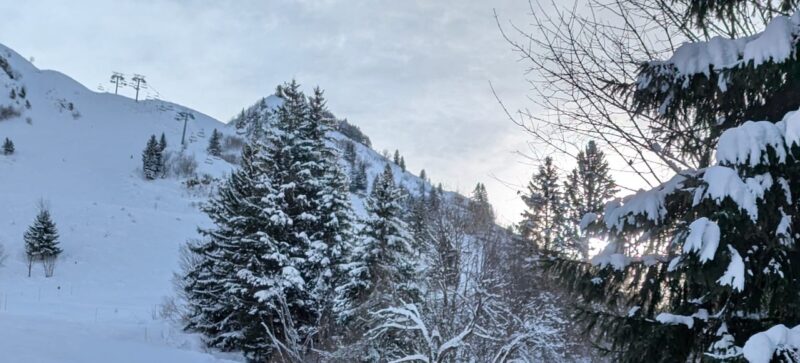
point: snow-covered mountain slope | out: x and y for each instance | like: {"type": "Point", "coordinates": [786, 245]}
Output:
{"type": "Point", "coordinates": [80, 152]}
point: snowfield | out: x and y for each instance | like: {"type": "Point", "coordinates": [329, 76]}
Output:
{"type": "Point", "coordinates": [80, 152]}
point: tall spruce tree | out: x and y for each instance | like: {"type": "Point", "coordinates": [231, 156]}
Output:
{"type": "Point", "coordinates": [543, 221]}
{"type": "Point", "coordinates": [381, 272]}
{"type": "Point", "coordinates": [418, 217]}
{"type": "Point", "coordinates": [312, 191]}
{"type": "Point", "coordinates": [240, 268]}
{"type": "Point", "coordinates": [152, 159]}
{"type": "Point", "coordinates": [333, 232]}
{"type": "Point", "coordinates": [162, 142]}
{"type": "Point", "coordinates": [283, 227]}
{"type": "Point", "coordinates": [41, 241]}
{"type": "Point", "coordinates": [700, 266]}
{"type": "Point", "coordinates": [587, 188]}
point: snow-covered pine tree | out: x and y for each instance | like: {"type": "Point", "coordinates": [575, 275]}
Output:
{"type": "Point", "coordinates": [587, 189]}
{"type": "Point", "coordinates": [152, 159]}
{"type": "Point", "coordinates": [396, 157]}
{"type": "Point", "coordinates": [214, 144]}
{"type": "Point", "coordinates": [480, 208]}
{"type": "Point", "coordinates": [543, 220]}
{"type": "Point", "coordinates": [699, 266]}
{"type": "Point", "coordinates": [333, 234]}
{"type": "Point", "coordinates": [402, 163]}
{"type": "Point", "coordinates": [310, 191]}
{"type": "Point", "coordinates": [162, 142]}
{"type": "Point", "coordinates": [418, 216]}
{"type": "Point", "coordinates": [381, 271]}
{"type": "Point", "coordinates": [8, 147]}
{"type": "Point", "coordinates": [434, 200]}
{"type": "Point", "coordinates": [358, 177]}
{"type": "Point", "coordinates": [240, 268]}
{"type": "Point", "coordinates": [41, 242]}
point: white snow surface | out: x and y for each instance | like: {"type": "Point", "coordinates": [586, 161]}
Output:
{"type": "Point", "coordinates": [734, 274]}
{"type": "Point", "coordinates": [703, 239]}
{"type": "Point", "coordinates": [723, 182]}
{"type": "Point", "coordinates": [747, 144]}
{"type": "Point", "coordinates": [649, 203]}
{"type": "Point", "coordinates": [120, 233]}
{"type": "Point", "coordinates": [760, 347]}
{"type": "Point", "coordinates": [673, 319]}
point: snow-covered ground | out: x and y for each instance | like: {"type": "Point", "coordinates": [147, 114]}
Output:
{"type": "Point", "coordinates": [80, 152]}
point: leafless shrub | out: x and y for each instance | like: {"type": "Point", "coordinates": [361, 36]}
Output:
{"type": "Point", "coordinates": [231, 158]}
{"type": "Point", "coordinates": [582, 65]}
{"type": "Point", "coordinates": [231, 142]}
{"type": "Point", "coordinates": [7, 112]}
{"type": "Point", "coordinates": [179, 164]}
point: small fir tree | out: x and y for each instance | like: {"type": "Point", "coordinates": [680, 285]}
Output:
{"type": "Point", "coordinates": [214, 144]}
{"type": "Point", "coordinates": [162, 143]}
{"type": "Point", "coordinates": [152, 159]}
{"type": "Point", "coordinates": [8, 147]}
{"type": "Point", "coordinates": [41, 242]}
{"type": "Point", "coordinates": [358, 178]}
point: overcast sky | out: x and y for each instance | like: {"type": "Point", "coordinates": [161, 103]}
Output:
{"type": "Point", "coordinates": [414, 75]}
